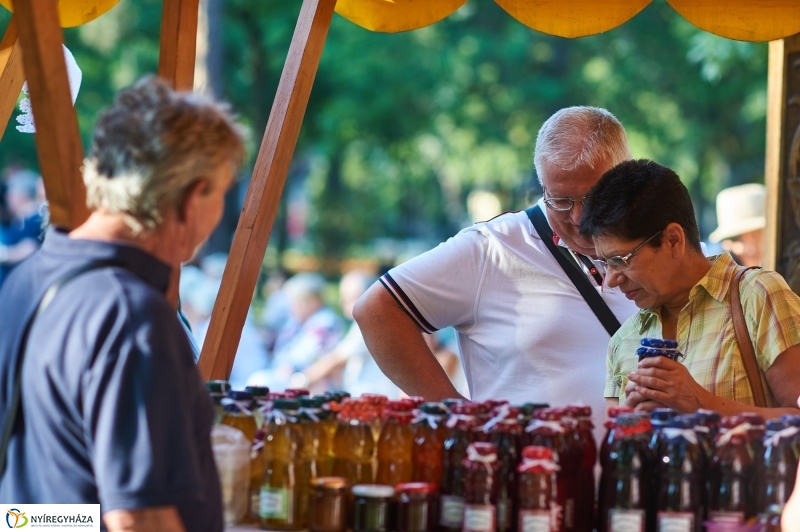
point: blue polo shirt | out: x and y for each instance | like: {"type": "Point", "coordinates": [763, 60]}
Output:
{"type": "Point", "coordinates": [113, 409]}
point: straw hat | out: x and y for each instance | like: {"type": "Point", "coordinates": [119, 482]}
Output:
{"type": "Point", "coordinates": [740, 210]}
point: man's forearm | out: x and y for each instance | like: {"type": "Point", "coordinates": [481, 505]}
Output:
{"type": "Point", "coordinates": [397, 345]}
{"type": "Point", "coordinates": [163, 519]}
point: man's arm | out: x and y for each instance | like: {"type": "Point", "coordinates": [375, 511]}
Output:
{"type": "Point", "coordinates": [164, 519]}
{"type": "Point", "coordinates": [398, 346]}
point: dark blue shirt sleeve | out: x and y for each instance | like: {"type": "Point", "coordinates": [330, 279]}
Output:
{"type": "Point", "coordinates": [137, 411]}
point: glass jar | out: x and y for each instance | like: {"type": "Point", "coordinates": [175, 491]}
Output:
{"type": "Point", "coordinates": [732, 473]}
{"type": "Point", "coordinates": [428, 442]}
{"type": "Point", "coordinates": [536, 495]}
{"type": "Point", "coordinates": [505, 433]}
{"type": "Point", "coordinates": [239, 413]}
{"type": "Point", "coordinates": [284, 484]}
{"type": "Point", "coordinates": [416, 507]}
{"type": "Point", "coordinates": [218, 390]}
{"type": "Point", "coordinates": [681, 485]}
{"type": "Point", "coordinates": [353, 444]}
{"type": "Point", "coordinates": [261, 402]}
{"type": "Point", "coordinates": [372, 508]}
{"type": "Point", "coordinates": [395, 445]}
{"type": "Point", "coordinates": [480, 488]}
{"type": "Point", "coordinates": [460, 434]}
{"type": "Point", "coordinates": [328, 505]}
{"type": "Point", "coordinates": [586, 447]}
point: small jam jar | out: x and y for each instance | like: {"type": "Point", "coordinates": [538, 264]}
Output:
{"type": "Point", "coordinates": [372, 508]}
{"type": "Point", "coordinates": [416, 507]}
{"type": "Point", "coordinates": [327, 510]}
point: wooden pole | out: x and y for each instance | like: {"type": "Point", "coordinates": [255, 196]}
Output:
{"type": "Point", "coordinates": [58, 140]}
{"type": "Point", "coordinates": [178, 43]}
{"type": "Point", "coordinates": [12, 75]}
{"type": "Point", "coordinates": [266, 186]}
{"type": "Point", "coordinates": [782, 169]}
{"type": "Point", "coordinates": [176, 63]}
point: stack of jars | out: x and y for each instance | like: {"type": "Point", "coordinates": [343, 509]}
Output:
{"type": "Point", "coordinates": [671, 472]}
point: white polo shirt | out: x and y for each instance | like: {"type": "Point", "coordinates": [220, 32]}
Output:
{"type": "Point", "coordinates": [524, 331]}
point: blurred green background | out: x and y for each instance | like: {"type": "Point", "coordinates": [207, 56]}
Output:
{"type": "Point", "coordinates": [403, 130]}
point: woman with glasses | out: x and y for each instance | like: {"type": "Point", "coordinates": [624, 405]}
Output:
{"type": "Point", "coordinates": [642, 221]}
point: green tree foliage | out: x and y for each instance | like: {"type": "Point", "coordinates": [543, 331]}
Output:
{"type": "Point", "coordinates": [400, 128]}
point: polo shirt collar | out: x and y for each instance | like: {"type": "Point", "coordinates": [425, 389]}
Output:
{"type": "Point", "coordinates": [716, 283]}
{"type": "Point", "coordinates": [143, 264]}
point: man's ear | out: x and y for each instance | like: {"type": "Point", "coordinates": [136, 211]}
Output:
{"type": "Point", "coordinates": [199, 188]}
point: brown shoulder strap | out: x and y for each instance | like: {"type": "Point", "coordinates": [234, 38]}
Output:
{"type": "Point", "coordinates": [745, 344]}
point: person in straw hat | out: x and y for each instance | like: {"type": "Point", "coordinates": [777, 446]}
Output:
{"type": "Point", "coordinates": [740, 215]}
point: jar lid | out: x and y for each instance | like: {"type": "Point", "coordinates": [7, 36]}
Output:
{"type": "Point", "coordinates": [416, 400]}
{"type": "Point", "coordinates": [329, 483]}
{"type": "Point", "coordinates": [548, 414]}
{"type": "Point", "coordinates": [537, 452]}
{"type": "Point", "coordinates": [464, 409]}
{"type": "Point", "coordinates": [616, 411]}
{"type": "Point", "coordinates": [257, 391]}
{"type": "Point", "coordinates": [578, 410]}
{"type": "Point", "coordinates": [296, 392]}
{"type": "Point", "coordinates": [238, 395]}
{"type": "Point", "coordinates": [285, 404]}
{"type": "Point", "coordinates": [436, 409]}
{"type": "Point", "coordinates": [416, 487]}
{"type": "Point", "coordinates": [373, 491]}
{"type": "Point", "coordinates": [401, 405]}
{"type": "Point", "coordinates": [218, 387]}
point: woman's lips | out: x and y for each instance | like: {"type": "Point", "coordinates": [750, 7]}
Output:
{"type": "Point", "coordinates": [631, 294]}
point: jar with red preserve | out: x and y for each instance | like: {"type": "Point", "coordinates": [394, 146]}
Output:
{"type": "Point", "coordinates": [416, 507]}
{"type": "Point", "coordinates": [429, 433]}
{"type": "Point", "coordinates": [505, 433]}
{"type": "Point", "coordinates": [536, 491]}
{"type": "Point", "coordinates": [395, 444]}
{"type": "Point", "coordinates": [480, 488]}
{"type": "Point", "coordinates": [460, 433]}
{"type": "Point", "coordinates": [546, 430]}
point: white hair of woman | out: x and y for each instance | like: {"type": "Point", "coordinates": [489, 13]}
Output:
{"type": "Point", "coordinates": [304, 287]}
{"type": "Point", "coordinates": [577, 137]}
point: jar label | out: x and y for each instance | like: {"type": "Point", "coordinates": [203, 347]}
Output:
{"type": "Point", "coordinates": [569, 513]}
{"type": "Point", "coordinates": [626, 520]}
{"type": "Point", "coordinates": [736, 518]}
{"type": "Point", "coordinates": [675, 522]}
{"type": "Point", "coordinates": [534, 521]}
{"type": "Point", "coordinates": [452, 512]}
{"type": "Point", "coordinates": [273, 503]}
{"type": "Point", "coordinates": [255, 503]}
{"type": "Point", "coordinates": [479, 518]}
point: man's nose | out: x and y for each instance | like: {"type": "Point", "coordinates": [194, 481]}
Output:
{"type": "Point", "coordinates": [576, 212]}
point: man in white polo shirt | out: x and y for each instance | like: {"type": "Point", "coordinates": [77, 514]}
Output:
{"type": "Point", "coordinates": [525, 332]}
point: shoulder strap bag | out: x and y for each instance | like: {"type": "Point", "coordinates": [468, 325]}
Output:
{"type": "Point", "coordinates": [16, 392]}
{"type": "Point", "coordinates": [575, 274]}
{"type": "Point", "coordinates": [745, 343]}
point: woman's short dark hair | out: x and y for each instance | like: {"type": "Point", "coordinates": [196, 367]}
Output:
{"type": "Point", "coordinates": [636, 199]}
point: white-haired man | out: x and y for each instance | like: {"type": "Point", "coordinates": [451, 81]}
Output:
{"type": "Point", "coordinates": [100, 395]}
{"type": "Point", "coordinates": [525, 333]}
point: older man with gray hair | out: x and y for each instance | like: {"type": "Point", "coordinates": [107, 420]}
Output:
{"type": "Point", "coordinates": [525, 331]}
{"type": "Point", "coordinates": [100, 399]}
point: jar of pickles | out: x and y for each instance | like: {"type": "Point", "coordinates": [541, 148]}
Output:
{"type": "Point", "coordinates": [328, 504]}
{"type": "Point", "coordinates": [372, 508]}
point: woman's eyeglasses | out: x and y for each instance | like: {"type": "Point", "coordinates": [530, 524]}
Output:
{"type": "Point", "coordinates": [620, 263]}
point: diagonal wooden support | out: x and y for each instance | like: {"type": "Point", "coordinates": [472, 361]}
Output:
{"type": "Point", "coordinates": [58, 140]}
{"type": "Point", "coordinates": [178, 43]}
{"type": "Point", "coordinates": [176, 58]}
{"type": "Point", "coordinates": [12, 75]}
{"type": "Point", "coordinates": [266, 186]}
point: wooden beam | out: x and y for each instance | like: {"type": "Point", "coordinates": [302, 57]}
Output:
{"type": "Point", "coordinates": [176, 64]}
{"type": "Point", "coordinates": [782, 168]}
{"type": "Point", "coordinates": [178, 43]}
{"type": "Point", "coordinates": [266, 186]}
{"type": "Point", "coordinates": [58, 140]}
{"type": "Point", "coordinates": [12, 75]}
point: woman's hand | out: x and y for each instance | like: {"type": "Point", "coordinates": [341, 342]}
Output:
{"type": "Point", "coordinates": [637, 401]}
{"type": "Point", "coordinates": [661, 380]}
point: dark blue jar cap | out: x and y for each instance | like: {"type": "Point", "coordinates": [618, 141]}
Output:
{"type": "Point", "coordinates": [238, 395]}
{"type": "Point", "coordinates": [662, 414]}
{"type": "Point", "coordinates": [659, 343]}
{"type": "Point", "coordinates": [774, 425]}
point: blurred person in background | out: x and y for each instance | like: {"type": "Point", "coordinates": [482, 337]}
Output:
{"type": "Point", "coordinates": [350, 365]}
{"type": "Point", "coordinates": [741, 222]}
{"type": "Point", "coordinates": [199, 289]}
{"type": "Point", "coordinates": [313, 330]}
{"type": "Point", "coordinates": [22, 236]}
{"type": "Point", "coordinates": [276, 311]}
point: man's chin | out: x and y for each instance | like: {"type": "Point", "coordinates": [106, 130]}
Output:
{"type": "Point", "coordinates": [580, 245]}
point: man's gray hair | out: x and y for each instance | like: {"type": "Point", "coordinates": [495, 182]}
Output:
{"type": "Point", "coordinates": [304, 286]}
{"type": "Point", "coordinates": [152, 146]}
{"type": "Point", "coordinates": [577, 137]}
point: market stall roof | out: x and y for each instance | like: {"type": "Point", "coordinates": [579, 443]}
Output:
{"type": "Point", "coordinates": [744, 20]}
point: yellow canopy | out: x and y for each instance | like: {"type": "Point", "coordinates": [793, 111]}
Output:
{"type": "Point", "coordinates": [745, 20]}
{"type": "Point", "coordinates": [75, 12]}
